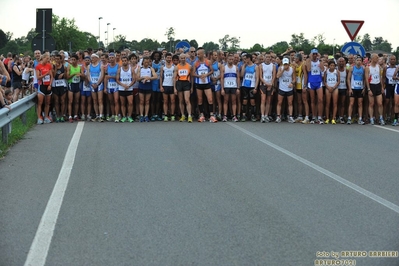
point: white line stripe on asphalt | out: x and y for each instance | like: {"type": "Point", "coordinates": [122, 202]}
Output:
{"type": "Point", "coordinates": [41, 243]}
{"type": "Point", "coordinates": [337, 178]}
{"type": "Point", "coordinates": [387, 128]}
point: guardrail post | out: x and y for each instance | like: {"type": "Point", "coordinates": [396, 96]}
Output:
{"type": "Point", "coordinates": [5, 131]}
{"type": "Point", "coordinates": [23, 118]}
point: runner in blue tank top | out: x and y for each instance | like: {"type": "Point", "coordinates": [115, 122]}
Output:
{"type": "Point", "coordinates": [95, 75]}
{"type": "Point", "coordinates": [355, 80]}
{"type": "Point", "coordinates": [111, 88]}
{"type": "Point", "coordinates": [314, 82]}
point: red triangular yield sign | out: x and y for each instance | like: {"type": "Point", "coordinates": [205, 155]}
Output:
{"type": "Point", "coordinates": [352, 27]}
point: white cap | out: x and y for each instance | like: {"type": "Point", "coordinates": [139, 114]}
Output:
{"type": "Point", "coordinates": [66, 56]}
{"type": "Point", "coordinates": [286, 61]}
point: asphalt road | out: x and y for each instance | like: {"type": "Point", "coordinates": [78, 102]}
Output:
{"type": "Point", "coordinates": [204, 194]}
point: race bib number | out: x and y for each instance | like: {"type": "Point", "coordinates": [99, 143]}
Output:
{"type": "Point", "coordinates": [249, 76]}
{"type": "Point", "coordinates": [298, 80]}
{"type": "Point", "coordinates": [391, 81]}
{"type": "Point", "coordinates": [94, 79]}
{"type": "Point", "coordinates": [286, 82]}
{"type": "Point", "coordinates": [75, 79]}
{"type": "Point", "coordinates": [267, 78]}
{"type": "Point", "coordinates": [203, 72]}
{"type": "Point", "coordinates": [86, 88]}
{"type": "Point", "coordinates": [183, 72]}
{"type": "Point", "coordinates": [230, 83]}
{"type": "Point", "coordinates": [60, 83]}
{"type": "Point", "coordinates": [46, 78]}
{"type": "Point", "coordinates": [358, 84]}
{"type": "Point", "coordinates": [376, 77]}
{"type": "Point", "coordinates": [112, 85]}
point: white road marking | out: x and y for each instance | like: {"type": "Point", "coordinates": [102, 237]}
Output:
{"type": "Point", "coordinates": [337, 178]}
{"type": "Point", "coordinates": [41, 243]}
{"type": "Point", "coordinates": [387, 128]}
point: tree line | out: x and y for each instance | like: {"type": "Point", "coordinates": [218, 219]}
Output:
{"type": "Point", "coordinates": [68, 37]}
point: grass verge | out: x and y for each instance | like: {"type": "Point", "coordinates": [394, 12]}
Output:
{"type": "Point", "coordinates": [18, 131]}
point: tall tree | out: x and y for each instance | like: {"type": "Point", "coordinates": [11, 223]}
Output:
{"type": "Point", "coordinates": [210, 46]}
{"type": "Point", "coordinates": [3, 39]}
{"type": "Point", "coordinates": [170, 34]}
{"type": "Point", "coordinates": [366, 42]}
{"type": "Point", "coordinates": [380, 44]}
{"type": "Point", "coordinates": [224, 42]}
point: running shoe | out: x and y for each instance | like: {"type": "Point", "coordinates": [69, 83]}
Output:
{"type": "Point", "coordinates": [371, 121]}
{"type": "Point", "coordinates": [117, 119]}
{"type": "Point", "coordinates": [172, 118]}
{"type": "Point", "coordinates": [123, 120]}
{"type": "Point", "coordinates": [360, 122]}
{"type": "Point", "coordinates": [146, 119]}
{"type": "Point", "coordinates": [182, 118]}
{"type": "Point", "coordinates": [291, 120]}
{"type": "Point", "coordinates": [57, 120]}
{"type": "Point", "coordinates": [327, 121]}
{"type": "Point", "coordinates": [333, 122]}
{"type": "Point", "coordinates": [153, 118]}
{"type": "Point", "coordinates": [262, 119]}
{"type": "Point", "coordinates": [201, 119]}
{"type": "Point", "coordinates": [62, 120]}
{"type": "Point", "coordinates": [47, 120]}
{"type": "Point", "coordinates": [70, 119]}
{"type": "Point", "coordinates": [382, 122]}
{"type": "Point", "coordinates": [395, 122]}
{"type": "Point", "coordinates": [235, 119]}
{"type": "Point", "coordinates": [101, 119]}
{"type": "Point", "coordinates": [213, 119]}
{"type": "Point", "coordinates": [190, 119]}
{"type": "Point", "coordinates": [166, 118]}
{"type": "Point", "coordinates": [341, 120]}
{"type": "Point", "coordinates": [244, 118]}
{"type": "Point", "coordinates": [224, 118]}
{"type": "Point", "coordinates": [320, 122]}
{"type": "Point", "coordinates": [130, 119]}
{"type": "Point", "coordinates": [219, 117]}
{"type": "Point", "coordinates": [141, 119]}
{"type": "Point", "coordinates": [305, 121]}
{"type": "Point", "coordinates": [158, 118]}
{"type": "Point", "coordinates": [40, 121]}
{"type": "Point", "coordinates": [253, 118]}
{"type": "Point", "coordinates": [299, 119]}
{"type": "Point", "coordinates": [82, 118]}
{"type": "Point", "coordinates": [278, 119]}
{"type": "Point", "coordinates": [76, 118]}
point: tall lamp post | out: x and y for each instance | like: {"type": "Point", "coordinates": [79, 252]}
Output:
{"type": "Point", "coordinates": [107, 34]}
{"type": "Point", "coordinates": [99, 38]}
{"type": "Point", "coordinates": [113, 38]}
{"type": "Point", "coordinates": [106, 39]}
{"type": "Point", "coordinates": [334, 47]}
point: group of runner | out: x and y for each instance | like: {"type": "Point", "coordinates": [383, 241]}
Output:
{"type": "Point", "coordinates": [215, 86]}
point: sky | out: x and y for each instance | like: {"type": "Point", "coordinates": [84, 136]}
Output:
{"type": "Point", "coordinates": [267, 23]}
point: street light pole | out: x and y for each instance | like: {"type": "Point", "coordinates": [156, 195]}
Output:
{"type": "Point", "coordinates": [107, 34]}
{"type": "Point", "coordinates": [99, 39]}
{"type": "Point", "coordinates": [106, 39]}
{"type": "Point", "coordinates": [113, 38]}
{"type": "Point", "coordinates": [334, 47]}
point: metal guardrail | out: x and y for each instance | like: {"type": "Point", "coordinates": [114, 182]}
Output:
{"type": "Point", "coordinates": [18, 109]}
